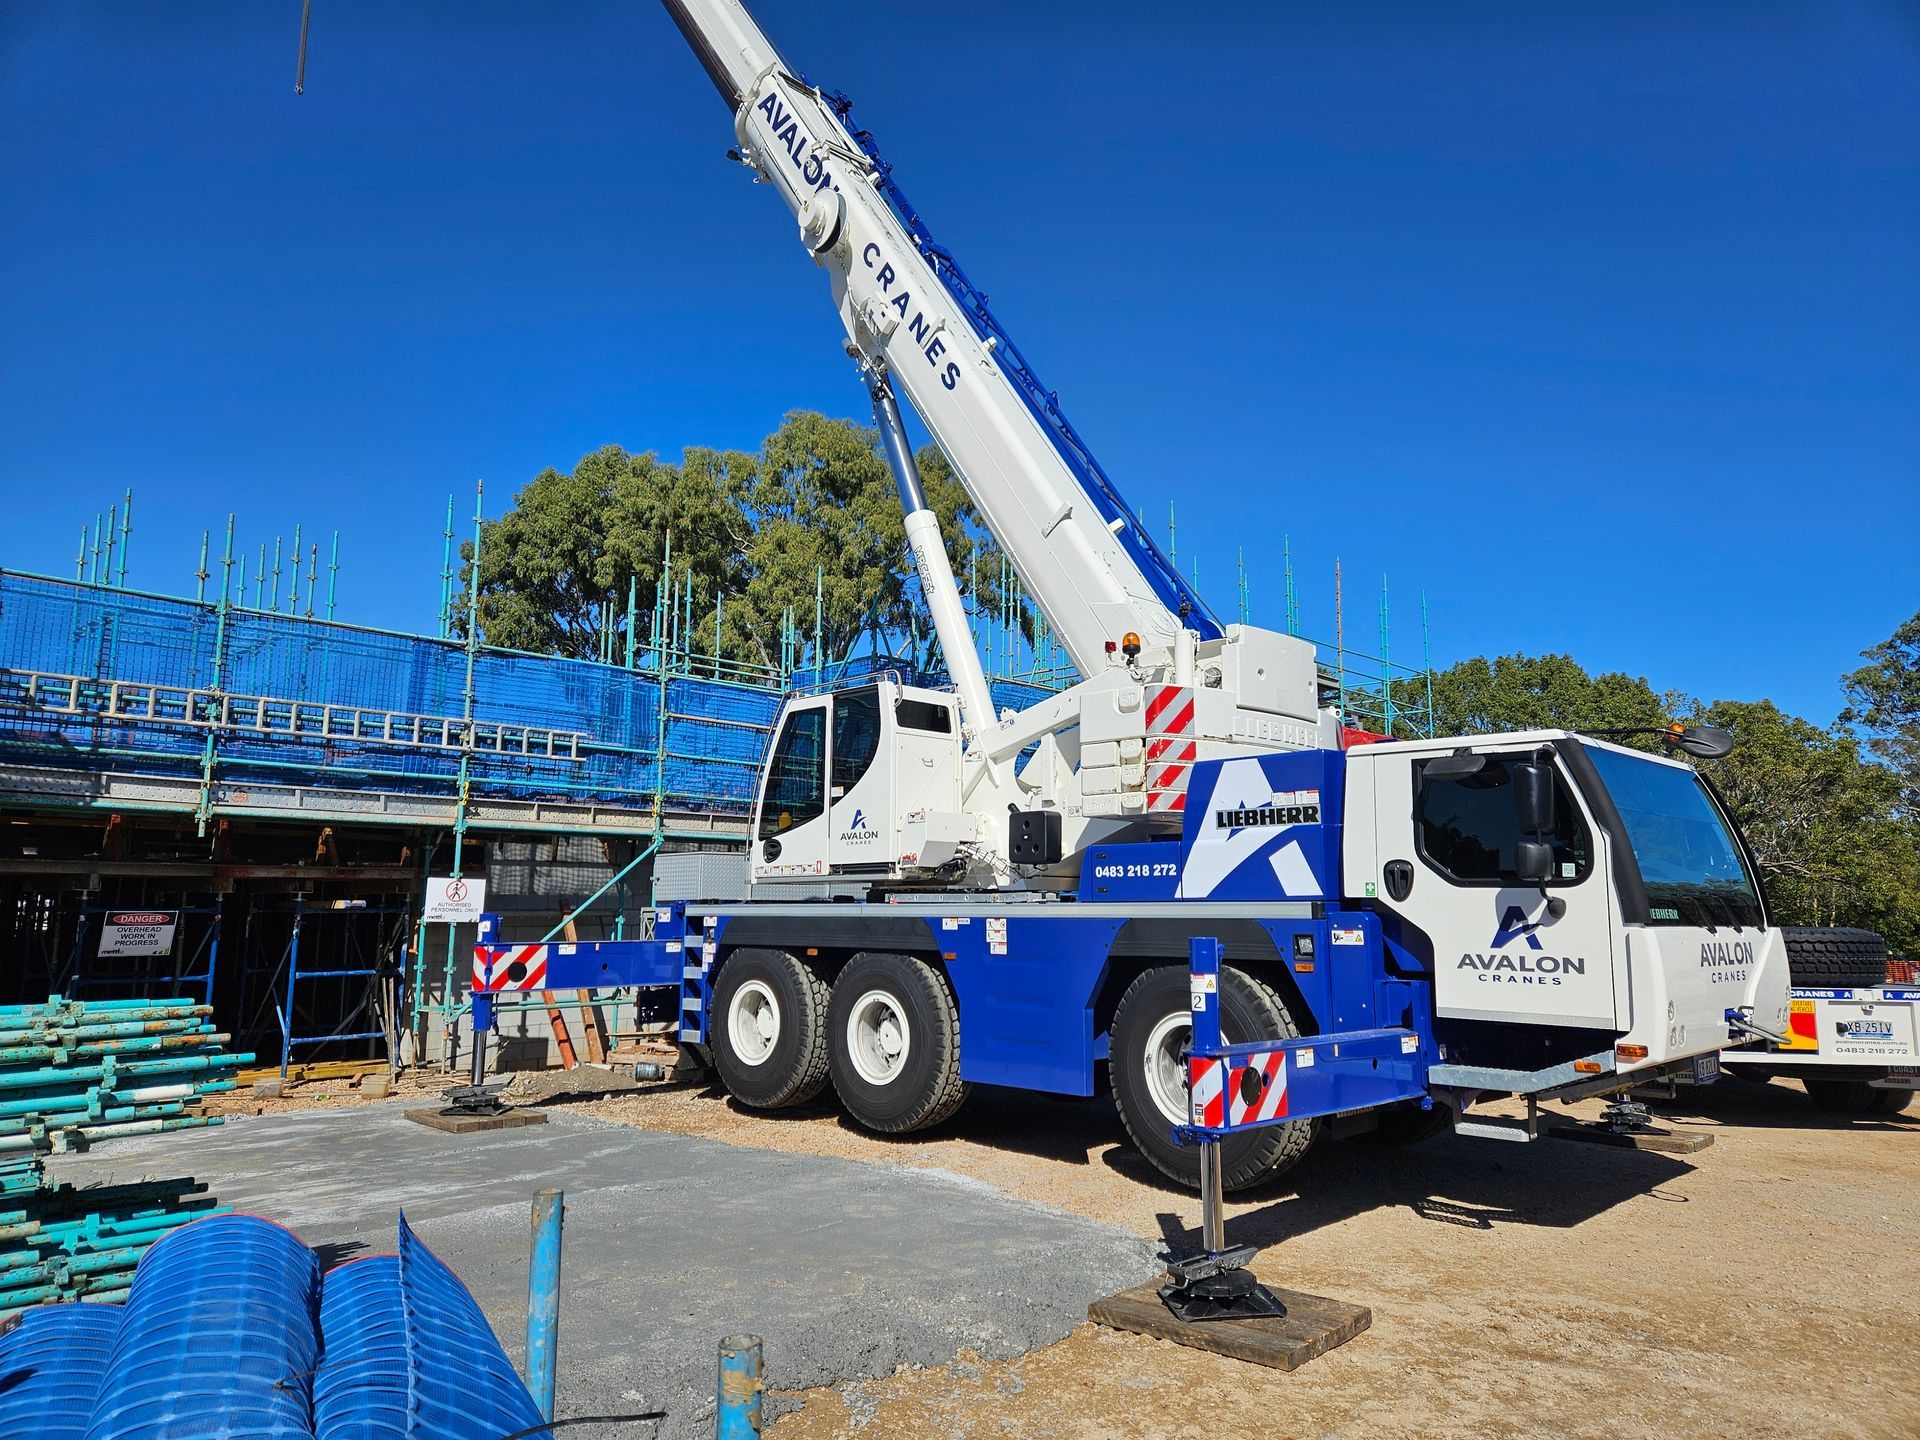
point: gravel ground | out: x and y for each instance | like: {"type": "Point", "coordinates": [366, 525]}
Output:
{"type": "Point", "coordinates": [849, 1270]}
{"type": "Point", "coordinates": [1760, 1287]}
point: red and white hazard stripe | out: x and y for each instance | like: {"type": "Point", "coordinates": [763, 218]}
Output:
{"type": "Point", "coordinates": [1223, 1097]}
{"type": "Point", "coordinates": [1169, 710]}
{"type": "Point", "coordinates": [1207, 1080]}
{"type": "Point", "coordinates": [510, 967]}
{"type": "Point", "coordinates": [1171, 749]}
{"type": "Point", "coordinates": [1169, 759]}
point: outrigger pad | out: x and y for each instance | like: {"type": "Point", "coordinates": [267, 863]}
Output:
{"type": "Point", "coordinates": [1312, 1326]}
{"type": "Point", "coordinates": [1218, 1287]}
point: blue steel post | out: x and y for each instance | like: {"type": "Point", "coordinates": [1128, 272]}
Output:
{"type": "Point", "coordinates": [1203, 958]}
{"type": "Point", "coordinates": [293, 978]}
{"type": "Point", "coordinates": [740, 1389]}
{"type": "Point", "coordinates": [213, 945]}
{"type": "Point", "coordinates": [543, 1298]}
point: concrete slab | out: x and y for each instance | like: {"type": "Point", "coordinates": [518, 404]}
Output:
{"type": "Point", "coordinates": [847, 1269]}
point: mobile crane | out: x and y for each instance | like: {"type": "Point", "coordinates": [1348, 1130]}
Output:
{"type": "Point", "coordinates": [1409, 927]}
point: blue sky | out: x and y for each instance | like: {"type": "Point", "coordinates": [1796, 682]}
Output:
{"type": "Point", "coordinates": [1598, 323]}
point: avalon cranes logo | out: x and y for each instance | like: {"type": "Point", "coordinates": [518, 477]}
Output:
{"type": "Point", "coordinates": [858, 830]}
{"type": "Point", "coordinates": [1533, 966]}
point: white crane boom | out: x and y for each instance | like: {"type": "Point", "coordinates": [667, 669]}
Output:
{"type": "Point", "coordinates": [1080, 552]}
{"type": "Point", "coordinates": [1016, 799]}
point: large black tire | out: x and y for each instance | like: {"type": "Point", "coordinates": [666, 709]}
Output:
{"type": "Point", "coordinates": [1153, 1015]}
{"type": "Point", "coordinates": [1891, 1102]}
{"type": "Point", "coordinates": [1844, 1097]}
{"type": "Point", "coordinates": [1840, 958]}
{"type": "Point", "coordinates": [894, 1037]}
{"type": "Point", "coordinates": [769, 1029]}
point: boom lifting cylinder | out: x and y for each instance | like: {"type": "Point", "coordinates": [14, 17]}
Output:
{"type": "Point", "coordinates": [930, 560]}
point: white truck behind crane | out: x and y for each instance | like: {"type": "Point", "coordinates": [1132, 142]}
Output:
{"type": "Point", "coordinates": [1410, 927]}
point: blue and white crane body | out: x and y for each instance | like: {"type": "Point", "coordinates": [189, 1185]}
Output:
{"type": "Point", "coordinates": [1405, 928]}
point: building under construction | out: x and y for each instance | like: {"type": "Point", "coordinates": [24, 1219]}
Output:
{"type": "Point", "coordinates": [277, 786]}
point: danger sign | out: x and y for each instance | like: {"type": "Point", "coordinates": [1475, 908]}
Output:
{"type": "Point", "coordinates": [455, 900]}
{"type": "Point", "coordinates": [138, 932]}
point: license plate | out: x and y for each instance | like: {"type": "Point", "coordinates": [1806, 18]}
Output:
{"type": "Point", "coordinates": [1706, 1069]}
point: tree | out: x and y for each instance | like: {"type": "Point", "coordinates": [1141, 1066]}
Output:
{"type": "Point", "coordinates": [1831, 836]}
{"type": "Point", "coordinates": [1883, 702]}
{"type": "Point", "coordinates": [747, 535]}
{"type": "Point", "coordinates": [1541, 692]}
{"type": "Point", "coordinates": [1824, 823]}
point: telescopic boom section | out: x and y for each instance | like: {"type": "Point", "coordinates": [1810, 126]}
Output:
{"type": "Point", "coordinates": [1079, 552]}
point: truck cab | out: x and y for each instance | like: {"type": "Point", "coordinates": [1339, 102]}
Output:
{"type": "Point", "coordinates": [1572, 899]}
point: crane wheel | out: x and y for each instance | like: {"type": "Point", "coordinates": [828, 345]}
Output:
{"type": "Point", "coordinates": [894, 1037]}
{"type": "Point", "coordinates": [1150, 1029]}
{"type": "Point", "coordinates": [769, 1030]}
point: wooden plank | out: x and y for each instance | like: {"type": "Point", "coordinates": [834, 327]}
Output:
{"type": "Point", "coordinates": [557, 1023]}
{"type": "Point", "coordinates": [589, 1021]}
{"type": "Point", "coordinates": [1666, 1142]}
{"type": "Point", "coordinates": [301, 1073]}
{"type": "Point", "coordinates": [1312, 1326]}
{"type": "Point", "coordinates": [473, 1124]}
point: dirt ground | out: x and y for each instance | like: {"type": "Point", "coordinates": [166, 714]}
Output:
{"type": "Point", "coordinates": [1763, 1287]}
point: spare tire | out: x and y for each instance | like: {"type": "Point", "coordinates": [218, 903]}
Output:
{"type": "Point", "coordinates": [1835, 958]}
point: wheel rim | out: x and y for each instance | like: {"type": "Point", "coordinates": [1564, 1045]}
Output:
{"type": "Point", "coordinates": [753, 1022]}
{"type": "Point", "coordinates": [878, 1038]}
{"type": "Point", "coordinates": [1168, 1085]}
{"type": "Point", "coordinates": [1165, 1072]}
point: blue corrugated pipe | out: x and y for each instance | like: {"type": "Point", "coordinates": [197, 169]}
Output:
{"type": "Point", "coordinates": [50, 1369]}
{"type": "Point", "coordinates": [218, 1338]}
{"type": "Point", "coordinates": [408, 1353]}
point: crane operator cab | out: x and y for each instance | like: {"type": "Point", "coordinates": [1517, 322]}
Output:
{"type": "Point", "coordinates": [862, 783]}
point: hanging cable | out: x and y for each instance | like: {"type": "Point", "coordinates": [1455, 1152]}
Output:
{"type": "Point", "coordinates": [300, 70]}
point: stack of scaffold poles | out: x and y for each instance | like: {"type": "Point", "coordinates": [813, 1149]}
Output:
{"type": "Point", "coordinates": [59, 1242]}
{"type": "Point", "coordinates": [74, 1072]}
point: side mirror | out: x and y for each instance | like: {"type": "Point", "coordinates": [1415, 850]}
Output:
{"type": "Point", "coordinates": [1704, 742]}
{"type": "Point", "coordinates": [1533, 862]}
{"type": "Point", "coordinates": [1533, 798]}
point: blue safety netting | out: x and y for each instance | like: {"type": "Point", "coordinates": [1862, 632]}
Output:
{"type": "Point", "coordinates": [629, 735]}
{"type": "Point", "coordinates": [693, 741]}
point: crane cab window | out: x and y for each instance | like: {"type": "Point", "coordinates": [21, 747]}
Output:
{"type": "Point", "coordinates": [923, 715]}
{"type": "Point", "coordinates": [856, 737]}
{"type": "Point", "coordinates": [797, 777]}
{"type": "Point", "coordinates": [1467, 828]}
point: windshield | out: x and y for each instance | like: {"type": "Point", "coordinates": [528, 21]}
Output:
{"type": "Point", "coordinates": [1692, 865]}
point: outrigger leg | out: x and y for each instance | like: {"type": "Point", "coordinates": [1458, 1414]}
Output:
{"type": "Point", "coordinates": [1214, 1285]}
